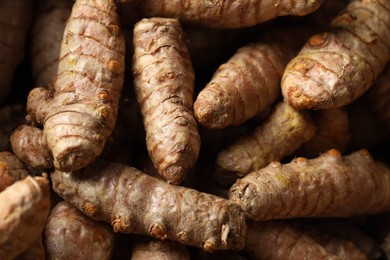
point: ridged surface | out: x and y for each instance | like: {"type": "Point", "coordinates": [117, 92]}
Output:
{"type": "Point", "coordinates": [134, 202]}
{"type": "Point", "coordinates": [328, 186]}
{"type": "Point", "coordinates": [164, 85]}
{"type": "Point", "coordinates": [336, 67]}
{"type": "Point", "coordinates": [81, 116]}
{"type": "Point", "coordinates": [284, 131]}
{"type": "Point", "coordinates": [24, 208]}
{"type": "Point", "coordinates": [227, 14]}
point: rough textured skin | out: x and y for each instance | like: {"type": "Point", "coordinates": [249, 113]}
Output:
{"type": "Point", "coordinates": [330, 185]}
{"type": "Point", "coordinates": [11, 170]}
{"type": "Point", "coordinates": [15, 17]}
{"type": "Point", "coordinates": [332, 132]}
{"type": "Point", "coordinates": [80, 115]}
{"type": "Point", "coordinates": [249, 82]}
{"type": "Point", "coordinates": [227, 14]}
{"type": "Point", "coordinates": [277, 240]}
{"type": "Point", "coordinates": [47, 33]}
{"type": "Point", "coordinates": [164, 85]}
{"type": "Point", "coordinates": [24, 208]}
{"type": "Point", "coordinates": [159, 250]}
{"type": "Point", "coordinates": [134, 202]}
{"type": "Point", "coordinates": [70, 234]}
{"type": "Point", "coordinates": [284, 131]}
{"type": "Point", "coordinates": [10, 117]}
{"type": "Point", "coordinates": [379, 97]}
{"type": "Point", "coordinates": [337, 66]}
{"type": "Point", "coordinates": [30, 146]}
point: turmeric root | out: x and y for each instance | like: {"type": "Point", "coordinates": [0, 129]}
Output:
{"type": "Point", "coordinates": [11, 170]}
{"type": "Point", "coordinates": [281, 134]}
{"type": "Point", "coordinates": [47, 33]}
{"type": "Point", "coordinates": [159, 249]}
{"type": "Point", "coordinates": [164, 85]}
{"type": "Point", "coordinates": [249, 82]}
{"type": "Point", "coordinates": [333, 132]}
{"type": "Point", "coordinates": [34, 252]}
{"type": "Point", "coordinates": [15, 17]}
{"type": "Point", "coordinates": [337, 66]}
{"type": "Point", "coordinates": [330, 185]}
{"type": "Point", "coordinates": [134, 202]}
{"type": "Point", "coordinates": [227, 14]}
{"type": "Point", "coordinates": [277, 240]}
{"type": "Point", "coordinates": [24, 207]}
{"type": "Point", "coordinates": [70, 234]}
{"type": "Point", "coordinates": [80, 115]}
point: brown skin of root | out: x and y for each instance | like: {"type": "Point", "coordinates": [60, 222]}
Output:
{"type": "Point", "coordinates": [330, 185]}
{"type": "Point", "coordinates": [24, 208]}
{"type": "Point", "coordinates": [29, 145]}
{"type": "Point", "coordinates": [159, 249]}
{"type": "Point", "coordinates": [34, 252]}
{"type": "Point", "coordinates": [337, 66]}
{"type": "Point", "coordinates": [78, 112]}
{"type": "Point", "coordinates": [164, 84]}
{"type": "Point", "coordinates": [134, 202]}
{"type": "Point", "coordinates": [277, 240]}
{"type": "Point", "coordinates": [284, 131]}
{"type": "Point", "coordinates": [226, 14]}
{"type": "Point", "coordinates": [69, 233]}
{"type": "Point", "coordinates": [249, 82]}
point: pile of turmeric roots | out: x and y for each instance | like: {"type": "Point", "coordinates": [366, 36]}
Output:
{"type": "Point", "coordinates": [194, 129]}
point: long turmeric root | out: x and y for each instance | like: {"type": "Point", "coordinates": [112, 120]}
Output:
{"type": "Point", "coordinates": [164, 85]}
{"type": "Point", "coordinates": [24, 207]}
{"type": "Point", "coordinates": [336, 67]}
{"type": "Point", "coordinates": [227, 14]}
{"type": "Point", "coordinates": [328, 186]}
{"type": "Point", "coordinates": [80, 115]}
{"type": "Point", "coordinates": [134, 202]}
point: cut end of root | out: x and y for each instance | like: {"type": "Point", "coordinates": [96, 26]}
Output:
{"type": "Point", "coordinates": [174, 174]}
{"type": "Point", "coordinates": [73, 159]}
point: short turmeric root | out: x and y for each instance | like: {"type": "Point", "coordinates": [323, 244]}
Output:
{"type": "Point", "coordinates": [24, 207]}
{"type": "Point", "coordinates": [284, 131]}
{"type": "Point", "coordinates": [80, 115]}
{"type": "Point", "coordinates": [69, 234]}
{"type": "Point", "coordinates": [164, 85]}
{"type": "Point", "coordinates": [330, 185]}
{"type": "Point", "coordinates": [134, 202]}
{"type": "Point", "coordinates": [227, 14]}
{"type": "Point", "coordinates": [337, 66]}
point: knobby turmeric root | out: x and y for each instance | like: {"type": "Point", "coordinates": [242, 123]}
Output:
{"type": "Point", "coordinates": [80, 115]}
{"type": "Point", "coordinates": [330, 185]}
{"type": "Point", "coordinates": [134, 202]}
{"type": "Point", "coordinates": [227, 14]}
{"type": "Point", "coordinates": [24, 207]}
{"type": "Point", "coordinates": [337, 66]}
{"type": "Point", "coordinates": [164, 85]}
